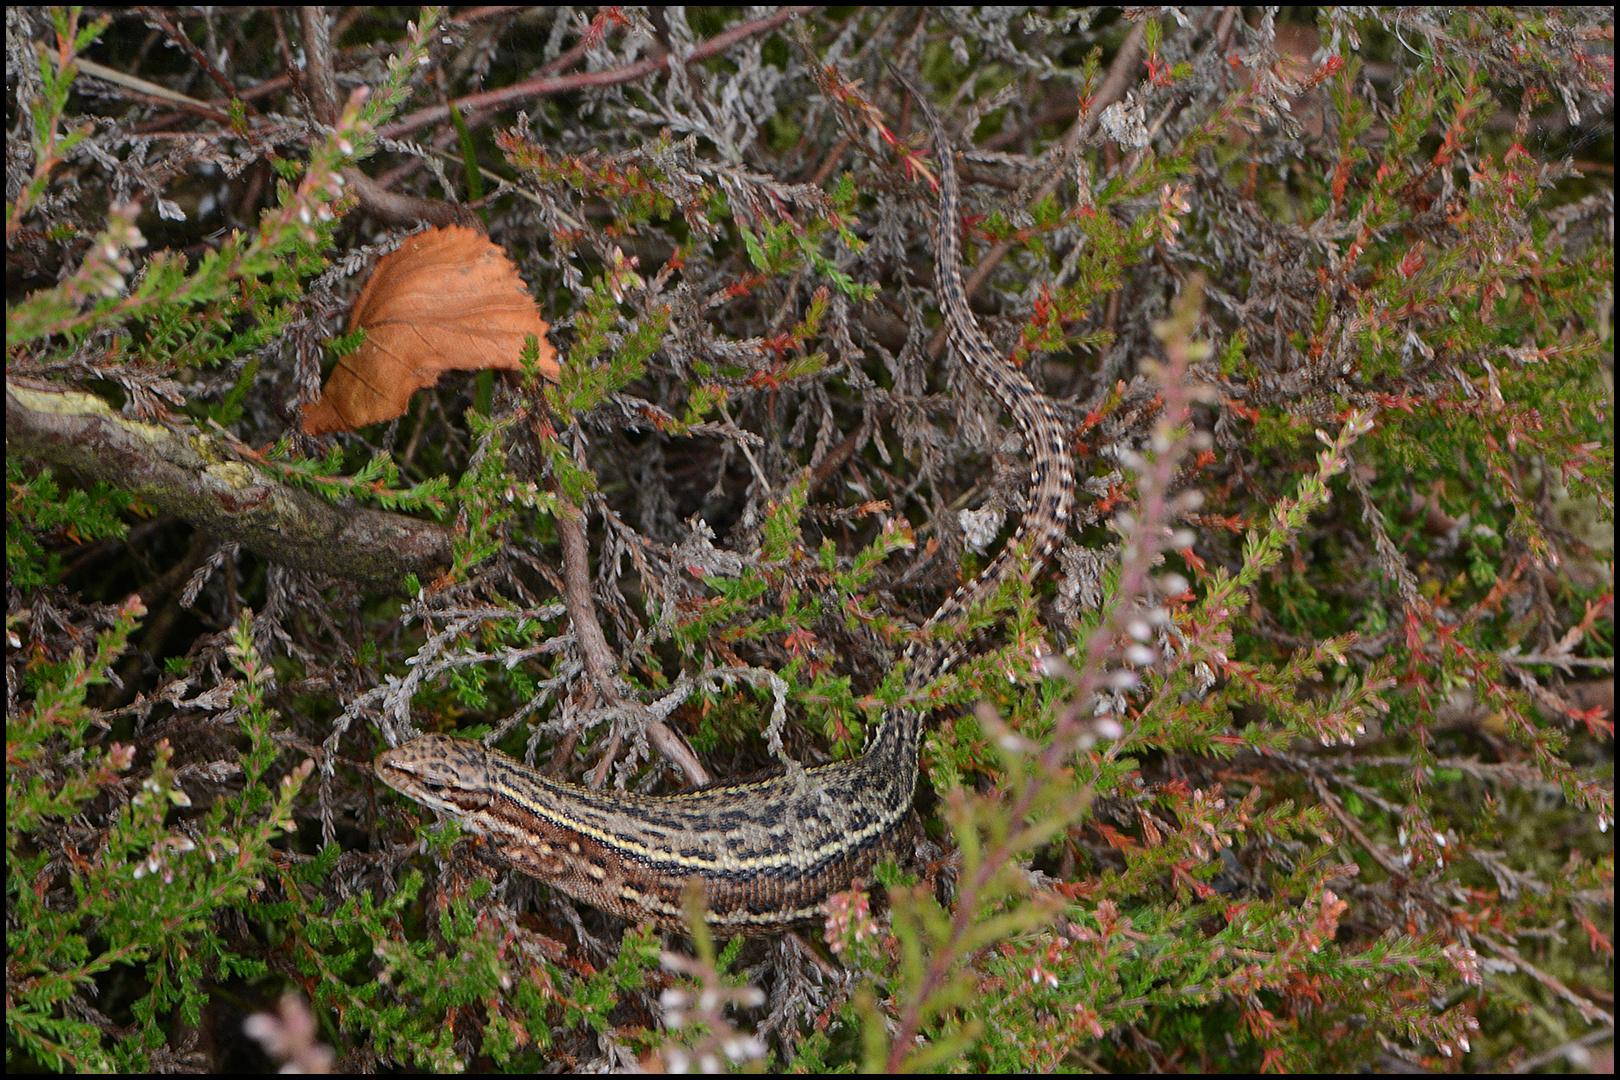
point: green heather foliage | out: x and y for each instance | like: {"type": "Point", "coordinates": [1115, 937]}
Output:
{"type": "Point", "coordinates": [1319, 777]}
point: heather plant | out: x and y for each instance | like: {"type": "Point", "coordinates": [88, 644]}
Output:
{"type": "Point", "coordinates": [1298, 757]}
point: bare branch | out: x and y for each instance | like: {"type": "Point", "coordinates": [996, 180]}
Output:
{"type": "Point", "coordinates": [175, 471]}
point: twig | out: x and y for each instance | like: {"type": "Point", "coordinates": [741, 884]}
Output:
{"type": "Point", "coordinates": [230, 499]}
{"type": "Point", "coordinates": [600, 663]}
{"type": "Point", "coordinates": [546, 85]}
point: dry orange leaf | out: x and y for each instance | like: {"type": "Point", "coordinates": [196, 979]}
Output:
{"type": "Point", "coordinates": [447, 300]}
